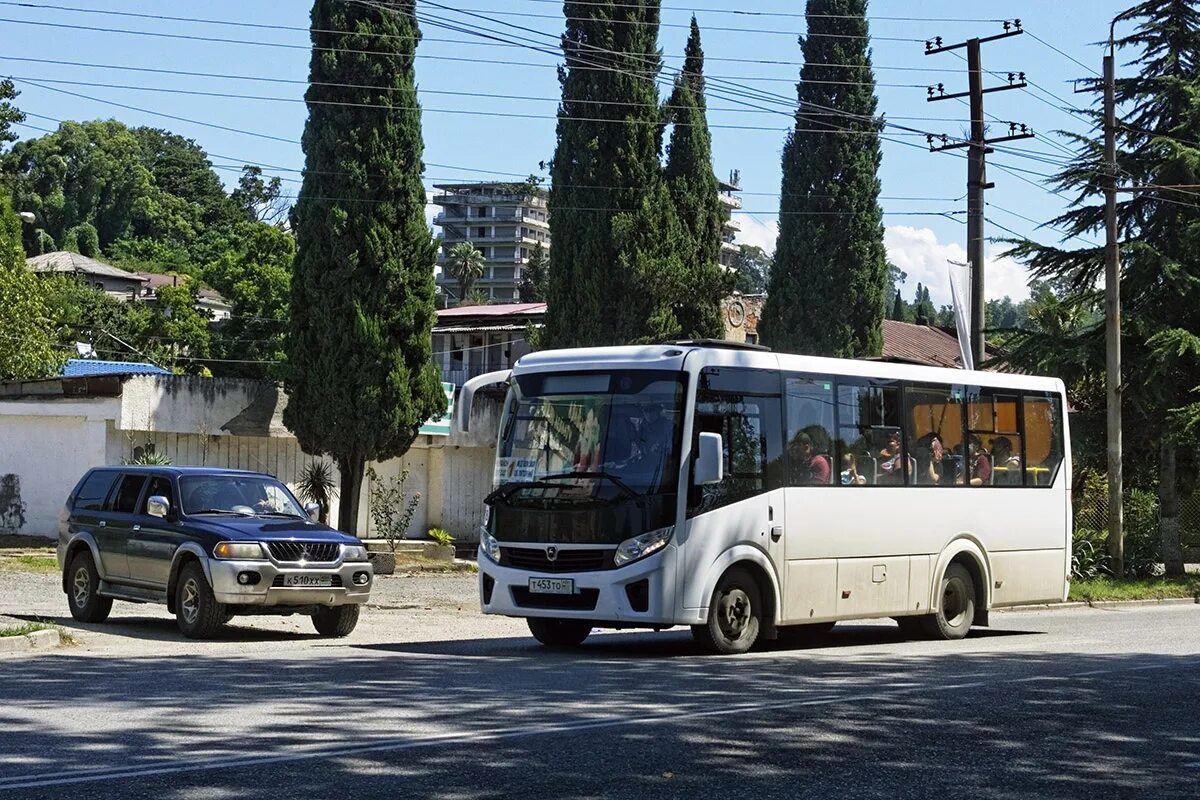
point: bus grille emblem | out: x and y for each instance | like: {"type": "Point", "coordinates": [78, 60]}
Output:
{"type": "Point", "coordinates": [552, 553]}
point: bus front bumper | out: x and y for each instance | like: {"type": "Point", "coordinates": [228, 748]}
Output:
{"type": "Point", "coordinates": [641, 594]}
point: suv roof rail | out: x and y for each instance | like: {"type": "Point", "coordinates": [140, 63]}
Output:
{"type": "Point", "coordinates": [722, 343]}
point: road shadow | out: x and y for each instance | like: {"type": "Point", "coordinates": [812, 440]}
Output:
{"type": "Point", "coordinates": [162, 629]}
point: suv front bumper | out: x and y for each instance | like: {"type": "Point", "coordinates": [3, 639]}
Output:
{"type": "Point", "coordinates": [269, 591]}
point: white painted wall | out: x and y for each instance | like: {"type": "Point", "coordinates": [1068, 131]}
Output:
{"type": "Point", "coordinates": [47, 445]}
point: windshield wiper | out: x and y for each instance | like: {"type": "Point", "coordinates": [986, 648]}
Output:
{"type": "Point", "coordinates": [508, 489]}
{"type": "Point", "coordinates": [620, 484]}
{"type": "Point", "coordinates": [287, 514]}
{"type": "Point", "coordinates": [222, 511]}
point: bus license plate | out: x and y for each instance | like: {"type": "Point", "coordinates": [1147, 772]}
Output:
{"type": "Point", "coordinates": [552, 585]}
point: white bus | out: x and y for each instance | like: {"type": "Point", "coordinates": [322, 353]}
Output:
{"type": "Point", "coordinates": [752, 495]}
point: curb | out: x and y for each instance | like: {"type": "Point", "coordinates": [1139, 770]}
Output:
{"type": "Point", "coordinates": [1166, 601]}
{"type": "Point", "coordinates": [38, 640]}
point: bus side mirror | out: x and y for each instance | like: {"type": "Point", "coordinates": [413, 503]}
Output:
{"type": "Point", "coordinates": [709, 467]}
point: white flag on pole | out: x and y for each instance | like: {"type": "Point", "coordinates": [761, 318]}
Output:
{"type": "Point", "coordinates": [960, 277]}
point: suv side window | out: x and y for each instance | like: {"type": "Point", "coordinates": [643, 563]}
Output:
{"type": "Point", "coordinates": [94, 490]}
{"type": "Point", "coordinates": [128, 493]}
{"type": "Point", "coordinates": [159, 485]}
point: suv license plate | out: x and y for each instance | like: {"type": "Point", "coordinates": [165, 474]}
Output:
{"type": "Point", "coordinates": [552, 585]}
{"type": "Point", "coordinates": [319, 581]}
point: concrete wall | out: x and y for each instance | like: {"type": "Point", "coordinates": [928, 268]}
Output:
{"type": "Point", "coordinates": [45, 447]}
{"type": "Point", "coordinates": [46, 444]}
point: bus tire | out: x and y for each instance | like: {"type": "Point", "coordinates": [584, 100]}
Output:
{"type": "Point", "coordinates": [559, 632]}
{"type": "Point", "coordinates": [733, 615]}
{"type": "Point", "coordinates": [955, 613]}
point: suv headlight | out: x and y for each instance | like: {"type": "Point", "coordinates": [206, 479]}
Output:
{"type": "Point", "coordinates": [354, 552]}
{"type": "Point", "coordinates": [642, 546]}
{"type": "Point", "coordinates": [240, 551]}
{"type": "Point", "coordinates": [489, 545]}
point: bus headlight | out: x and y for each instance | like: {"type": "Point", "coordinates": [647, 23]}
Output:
{"type": "Point", "coordinates": [642, 546]}
{"type": "Point", "coordinates": [489, 545]}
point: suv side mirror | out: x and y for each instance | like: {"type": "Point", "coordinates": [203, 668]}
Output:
{"type": "Point", "coordinates": [312, 509]}
{"type": "Point", "coordinates": [709, 466]}
{"type": "Point", "coordinates": [158, 506]}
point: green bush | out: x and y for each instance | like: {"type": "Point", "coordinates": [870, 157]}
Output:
{"type": "Point", "coordinates": [150, 458]}
{"type": "Point", "coordinates": [1089, 554]}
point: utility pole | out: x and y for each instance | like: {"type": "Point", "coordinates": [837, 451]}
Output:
{"type": "Point", "coordinates": [1112, 316]}
{"type": "Point", "coordinates": [978, 143]}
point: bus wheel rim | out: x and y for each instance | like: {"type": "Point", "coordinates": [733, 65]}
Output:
{"type": "Point", "coordinates": [733, 613]}
{"type": "Point", "coordinates": [954, 602]}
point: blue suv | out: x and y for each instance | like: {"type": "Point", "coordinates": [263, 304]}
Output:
{"type": "Point", "coordinates": [210, 544]}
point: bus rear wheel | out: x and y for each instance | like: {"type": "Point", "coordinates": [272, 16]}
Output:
{"type": "Point", "coordinates": [559, 632]}
{"type": "Point", "coordinates": [956, 611]}
{"type": "Point", "coordinates": [733, 615]}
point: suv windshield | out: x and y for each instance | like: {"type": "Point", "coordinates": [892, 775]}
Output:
{"type": "Point", "coordinates": [237, 494]}
{"type": "Point", "coordinates": [597, 433]}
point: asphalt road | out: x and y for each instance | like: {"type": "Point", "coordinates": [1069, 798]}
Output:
{"type": "Point", "coordinates": [429, 699]}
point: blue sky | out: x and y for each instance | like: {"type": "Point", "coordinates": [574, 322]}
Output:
{"type": "Point", "coordinates": [460, 146]}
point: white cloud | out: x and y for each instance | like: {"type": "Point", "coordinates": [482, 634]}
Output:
{"type": "Point", "coordinates": [757, 232]}
{"type": "Point", "coordinates": [918, 252]}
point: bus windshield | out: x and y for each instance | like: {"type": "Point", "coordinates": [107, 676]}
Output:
{"type": "Point", "coordinates": [591, 436]}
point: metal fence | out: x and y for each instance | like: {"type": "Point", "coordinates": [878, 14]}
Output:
{"type": "Point", "coordinates": [1142, 538]}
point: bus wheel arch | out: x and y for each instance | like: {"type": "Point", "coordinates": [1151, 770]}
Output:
{"type": "Point", "coordinates": [755, 562]}
{"type": "Point", "coordinates": [969, 553]}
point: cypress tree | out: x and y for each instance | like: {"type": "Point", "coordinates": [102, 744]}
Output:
{"type": "Point", "coordinates": [827, 290]}
{"type": "Point", "coordinates": [693, 188]}
{"type": "Point", "coordinates": [26, 333]}
{"type": "Point", "coordinates": [361, 377]}
{"type": "Point", "coordinates": [603, 169]}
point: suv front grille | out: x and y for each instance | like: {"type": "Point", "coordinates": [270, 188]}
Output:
{"type": "Point", "coordinates": [311, 552]}
{"type": "Point", "coordinates": [537, 560]}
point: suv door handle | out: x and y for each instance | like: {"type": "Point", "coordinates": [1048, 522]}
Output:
{"type": "Point", "coordinates": [103, 523]}
{"type": "Point", "coordinates": [776, 532]}
{"type": "Point", "coordinates": [137, 527]}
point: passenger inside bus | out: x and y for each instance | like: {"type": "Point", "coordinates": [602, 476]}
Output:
{"type": "Point", "coordinates": [891, 465]}
{"type": "Point", "coordinates": [808, 466]}
{"type": "Point", "coordinates": [981, 465]}
{"type": "Point", "coordinates": [850, 476]}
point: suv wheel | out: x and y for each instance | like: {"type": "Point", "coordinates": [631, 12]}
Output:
{"type": "Point", "coordinates": [83, 590]}
{"type": "Point", "coordinates": [196, 609]}
{"type": "Point", "coordinates": [335, 621]}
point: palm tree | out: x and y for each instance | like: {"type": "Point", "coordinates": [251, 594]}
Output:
{"type": "Point", "coordinates": [465, 264]}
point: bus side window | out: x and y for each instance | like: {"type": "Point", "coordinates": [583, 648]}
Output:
{"type": "Point", "coordinates": [1043, 439]}
{"type": "Point", "coordinates": [808, 407]}
{"type": "Point", "coordinates": [934, 427]}
{"type": "Point", "coordinates": [870, 447]}
{"type": "Point", "coordinates": [751, 428]}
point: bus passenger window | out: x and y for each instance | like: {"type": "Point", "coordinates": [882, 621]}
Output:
{"type": "Point", "coordinates": [934, 424]}
{"type": "Point", "coordinates": [1043, 439]}
{"type": "Point", "coordinates": [870, 447]}
{"type": "Point", "coordinates": [808, 404]}
{"type": "Point", "coordinates": [995, 440]}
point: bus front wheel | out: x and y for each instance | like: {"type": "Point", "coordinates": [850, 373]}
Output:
{"type": "Point", "coordinates": [953, 618]}
{"type": "Point", "coordinates": [559, 632]}
{"type": "Point", "coordinates": [733, 615]}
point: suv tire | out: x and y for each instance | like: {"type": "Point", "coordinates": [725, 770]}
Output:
{"type": "Point", "coordinates": [335, 621]}
{"type": "Point", "coordinates": [83, 590]}
{"type": "Point", "coordinates": [196, 609]}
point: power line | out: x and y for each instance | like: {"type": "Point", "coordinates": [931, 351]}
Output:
{"type": "Point", "coordinates": [777, 14]}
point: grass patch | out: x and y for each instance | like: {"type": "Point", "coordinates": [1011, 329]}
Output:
{"type": "Point", "coordinates": [30, 563]}
{"type": "Point", "coordinates": [1099, 589]}
{"type": "Point", "coordinates": [65, 637]}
